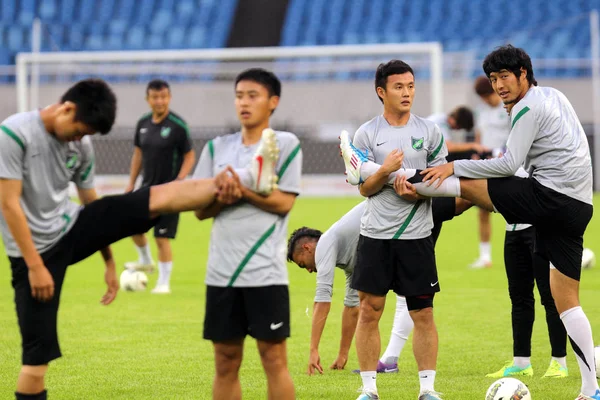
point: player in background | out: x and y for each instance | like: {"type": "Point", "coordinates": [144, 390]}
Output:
{"type": "Point", "coordinates": [556, 199]}
{"type": "Point", "coordinates": [454, 126]}
{"type": "Point", "coordinates": [491, 130]}
{"type": "Point", "coordinates": [162, 153]}
{"type": "Point", "coordinates": [320, 252]}
{"type": "Point", "coordinates": [44, 232]}
{"type": "Point", "coordinates": [246, 278]}
{"type": "Point", "coordinates": [395, 248]}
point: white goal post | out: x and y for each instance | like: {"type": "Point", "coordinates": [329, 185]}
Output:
{"type": "Point", "coordinates": [28, 65]}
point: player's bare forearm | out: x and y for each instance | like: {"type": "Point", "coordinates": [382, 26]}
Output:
{"type": "Point", "coordinates": [373, 184]}
{"type": "Point", "coordinates": [349, 321]}
{"type": "Point", "coordinates": [320, 313]}
{"type": "Point", "coordinates": [277, 202]}
{"type": "Point", "coordinates": [211, 211]}
{"type": "Point", "coordinates": [186, 166]}
{"type": "Point", "coordinates": [136, 166]}
{"type": "Point", "coordinates": [107, 255]}
{"type": "Point", "coordinates": [10, 194]}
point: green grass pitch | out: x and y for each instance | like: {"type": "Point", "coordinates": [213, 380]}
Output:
{"type": "Point", "coordinates": [146, 346]}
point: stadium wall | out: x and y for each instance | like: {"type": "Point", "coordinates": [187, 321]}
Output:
{"type": "Point", "coordinates": [305, 103]}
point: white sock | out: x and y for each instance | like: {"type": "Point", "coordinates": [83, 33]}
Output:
{"type": "Point", "coordinates": [427, 380]}
{"type": "Point", "coordinates": [580, 332]}
{"type": "Point", "coordinates": [522, 362]}
{"type": "Point", "coordinates": [245, 177]}
{"type": "Point", "coordinates": [449, 188]}
{"type": "Point", "coordinates": [403, 325]}
{"type": "Point", "coordinates": [485, 251]}
{"type": "Point", "coordinates": [370, 168]}
{"type": "Point", "coordinates": [369, 379]}
{"type": "Point", "coordinates": [561, 360]}
{"type": "Point", "coordinates": [144, 255]}
{"type": "Point", "coordinates": [164, 272]}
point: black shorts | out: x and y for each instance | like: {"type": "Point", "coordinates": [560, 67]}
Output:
{"type": "Point", "coordinates": [443, 209]}
{"type": "Point", "coordinates": [167, 226]}
{"type": "Point", "coordinates": [99, 224]}
{"type": "Point", "coordinates": [234, 312]}
{"type": "Point", "coordinates": [405, 266]}
{"type": "Point", "coordinates": [560, 220]}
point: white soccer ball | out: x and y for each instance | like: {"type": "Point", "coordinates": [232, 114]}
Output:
{"type": "Point", "coordinates": [508, 389]}
{"type": "Point", "coordinates": [597, 357]}
{"type": "Point", "coordinates": [588, 259]}
{"type": "Point", "coordinates": [133, 281]}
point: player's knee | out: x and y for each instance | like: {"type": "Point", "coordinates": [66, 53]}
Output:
{"type": "Point", "coordinates": [227, 361]}
{"type": "Point", "coordinates": [34, 371]}
{"type": "Point", "coordinates": [371, 306]}
{"type": "Point", "coordinates": [273, 356]}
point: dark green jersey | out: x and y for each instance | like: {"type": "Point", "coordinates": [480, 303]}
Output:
{"type": "Point", "coordinates": [163, 146]}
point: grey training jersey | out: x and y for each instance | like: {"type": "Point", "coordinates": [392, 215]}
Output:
{"type": "Point", "coordinates": [337, 248]}
{"type": "Point", "coordinates": [387, 215]}
{"type": "Point", "coordinates": [547, 136]}
{"type": "Point", "coordinates": [247, 244]}
{"type": "Point", "coordinates": [45, 166]}
{"type": "Point", "coordinates": [493, 124]}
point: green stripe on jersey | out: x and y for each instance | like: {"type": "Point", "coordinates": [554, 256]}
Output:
{"type": "Point", "coordinates": [433, 155]}
{"type": "Point", "coordinates": [180, 123]}
{"type": "Point", "coordinates": [519, 115]}
{"type": "Point", "coordinates": [211, 149]}
{"type": "Point", "coordinates": [288, 161]}
{"type": "Point", "coordinates": [87, 171]}
{"type": "Point", "coordinates": [248, 256]}
{"type": "Point", "coordinates": [13, 136]}
{"type": "Point", "coordinates": [408, 219]}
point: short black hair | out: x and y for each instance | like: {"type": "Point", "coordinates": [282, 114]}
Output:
{"type": "Point", "coordinates": [511, 59]}
{"type": "Point", "coordinates": [96, 104]}
{"type": "Point", "coordinates": [157, 84]}
{"type": "Point", "coordinates": [463, 117]}
{"type": "Point", "coordinates": [298, 235]}
{"type": "Point", "coordinates": [263, 77]}
{"type": "Point", "coordinates": [392, 67]}
{"type": "Point", "coordinates": [483, 86]}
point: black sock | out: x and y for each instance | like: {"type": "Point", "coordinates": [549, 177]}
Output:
{"type": "Point", "coordinates": [417, 178]}
{"type": "Point", "coordinates": [40, 396]}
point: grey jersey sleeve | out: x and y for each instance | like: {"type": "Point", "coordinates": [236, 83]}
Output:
{"type": "Point", "coordinates": [290, 169]}
{"type": "Point", "coordinates": [204, 168]}
{"type": "Point", "coordinates": [325, 260]}
{"type": "Point", "coordinates": [351, 297]}
{"type": "Point", "coordinates": [522, 134]}
{"type": "Point", "coordinates": [12, 153]}
{"type": "Point", "coordinates": [85, 174]}
{"type": "Point", "coordinates": [361, 142]}
{"type": "Point", "coordinates": [437, 150]}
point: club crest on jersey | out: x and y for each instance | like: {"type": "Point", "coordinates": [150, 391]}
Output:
{"type": "Point", "coordinates": [71, 160]}
{"type": "Point", "coordinates": [417, 143]}
{"type": "Point", "coordinates": [165, 131]}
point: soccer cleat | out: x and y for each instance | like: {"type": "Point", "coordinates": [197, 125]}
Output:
{"type": "Point", "coordinates": [353, 159]}
{"type": "Point", "coordinates": [555, 370]}
{"type": "Point", "coordinates": [138, 266]}
{"type": "Point", "coordinates": [161, 289]}
{"type": "Point", "coordinates": [383, 368]}
{"type": "Point", "coordinates": [511, 370]}
{"type": "Point", "coordinates": [480, 264]}
{"type": "Point", "coordinates": [368, 396]}
{"type": "Point", "coordinates": [262, 167]}
{"type": "Point", "coordinates": [582, 396]}
{"type": "Point", "coordinates": [430, 395]}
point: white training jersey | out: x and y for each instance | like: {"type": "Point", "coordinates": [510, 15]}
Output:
{"type": "Point", "coordinates": [493, 124]}
{"type": "Point", "coordinates": [548, 138]}
{"type": "Point", "coordinates": [248, 245]}
{"type": "Point", "coordinates": [45, 166]}
{"type": "Point", "coordinates": [337, 248]}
